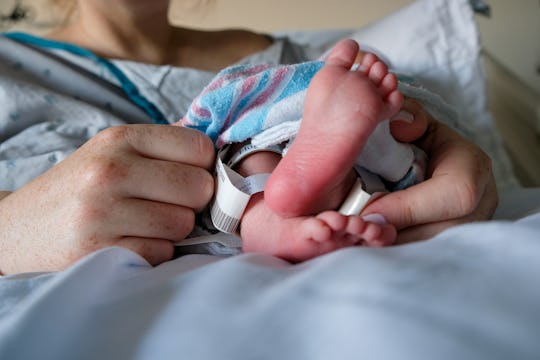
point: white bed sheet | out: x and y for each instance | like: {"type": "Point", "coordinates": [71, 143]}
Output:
{"type": "Point", "coordinates": [469, 293]}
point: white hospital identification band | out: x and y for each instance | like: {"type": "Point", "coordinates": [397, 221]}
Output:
{"type": "Point", "coordinates": [249, 149]}
{"type": "Point", "coordinates": [356, 200]}
{"type": "Point", "coordinates": [365, 189]}
{"type": "Point", "coordinates": [233, 191]}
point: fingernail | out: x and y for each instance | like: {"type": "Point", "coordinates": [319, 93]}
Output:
{"type": "Point", "coordinates": [375, 218]}
{"type": "Point", "coordinates": [403, 115]}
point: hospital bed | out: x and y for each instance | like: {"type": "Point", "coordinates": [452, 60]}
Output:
{"type": "Point", "coordinates": [470, 292]}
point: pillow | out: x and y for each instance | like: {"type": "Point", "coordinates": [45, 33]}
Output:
{"type": "Point", "coordinates": [437, 42]}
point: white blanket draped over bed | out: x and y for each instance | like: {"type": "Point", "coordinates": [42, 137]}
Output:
{"type": "Point", "coordinates": [469, 293]}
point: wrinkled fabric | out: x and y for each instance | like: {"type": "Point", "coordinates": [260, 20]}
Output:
{"type": "Point", "coordinates": [469, 293]}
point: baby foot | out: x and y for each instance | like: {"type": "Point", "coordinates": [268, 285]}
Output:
{"type": "Point", "coordinates": [305, 237]}
{"type": "Point", "coordinates": [353, 229]}
{"type": "Point", "coordinates": [342, 108]}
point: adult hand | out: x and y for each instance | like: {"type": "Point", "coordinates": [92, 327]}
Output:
{"type": "Point", "coordinates": [135, 186]}
{"type": "Point", "coordinates": [460, 185]}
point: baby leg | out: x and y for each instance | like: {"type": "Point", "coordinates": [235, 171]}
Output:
{"type": "Point", "coordinates": [342, 108]}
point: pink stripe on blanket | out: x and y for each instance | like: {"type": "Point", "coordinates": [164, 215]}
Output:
{"type": "Point", "coordinates": [247, 86]}
{"type": "Point", "coordinates": [200, 111]}
{"type": "Point", "coordinates": [278, 76]}
{"type": "Point", "coordinates": [277, 79]}
{"type": "Point", "coordinates": [230, 77]}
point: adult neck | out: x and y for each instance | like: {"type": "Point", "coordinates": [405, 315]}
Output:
{"type": "Point", "coordinates": [121, 29]}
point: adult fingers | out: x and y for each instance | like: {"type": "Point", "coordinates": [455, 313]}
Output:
{"type": "Point", "coordinates": [172, 143]}
{"type": "Point", "coordinates": [150, 219]}
{"type": "Point", "coordinates": [422, 232]}
{"type": "Point", "coordinates": [132, 176]}
{"type": "Point", "coordinates": [411, 122]}
{"type": "Point", "coordinates": [153, 162]}
{"type": "Point", "coordinates": [459, 175]}
{"type": "Point", "coordinates": [169, 182]}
